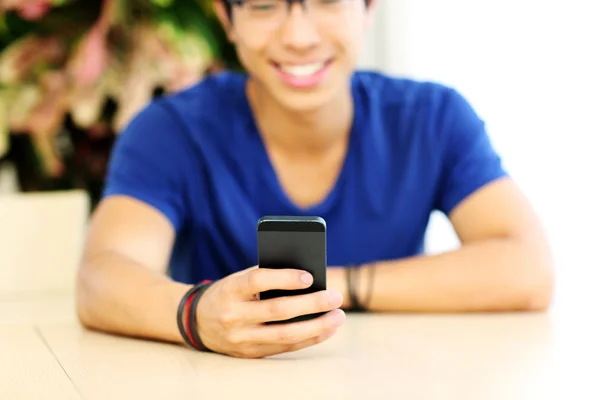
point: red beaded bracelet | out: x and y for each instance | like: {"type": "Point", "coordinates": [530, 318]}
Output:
{"type": "Point", "coordinates": [186, 316]}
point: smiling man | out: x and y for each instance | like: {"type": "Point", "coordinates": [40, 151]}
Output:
{"type": "Point", "coordinates": [303, 133]}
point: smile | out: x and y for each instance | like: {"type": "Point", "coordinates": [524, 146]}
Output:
{"type": "Point", "coordinates": [303, 75]}
{"type": "Point", "coordinates": [303, 70]}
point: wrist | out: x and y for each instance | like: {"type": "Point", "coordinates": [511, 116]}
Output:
{"type": "Point", "coordinates": [359, 282]}
{"type": "Point", "coordinates": [336, 280]}
{"type": "Point", "coordinates": [187, 316]}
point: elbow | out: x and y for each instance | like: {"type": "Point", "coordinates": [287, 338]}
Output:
{"type": "Point", "coordinates": [84, 300]}
{"type": "Point", "coordinates": [540, 301]}
{"type": "Point", "coordinates": [533, 274]}
{"type": "Point", "coordinates": [539, 288]}
{"type": "Point", "coordinates": [540, 297]}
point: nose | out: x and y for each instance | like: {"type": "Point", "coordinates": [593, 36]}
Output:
{"type": "Point", "coordinates": [298, 31]}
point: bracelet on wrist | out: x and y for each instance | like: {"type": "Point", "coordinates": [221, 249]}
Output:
{"type": "Point", "coordinates": [353, 275]}
{"type": "Point", "coordinates": [352, 281]}
{"type": "Point", "coordinates": [186, 316]}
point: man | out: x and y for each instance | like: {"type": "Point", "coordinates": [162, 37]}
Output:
{"type": "Point", "coordinates": [304, 134]}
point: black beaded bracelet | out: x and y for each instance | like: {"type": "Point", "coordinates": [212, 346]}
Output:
{"type": "Point", "coordinates": [181, 312]}
{"type": "Point", "coordinates": [371, 269]}
{"type": "Point", "coordinates": [199, 345]}
{"type": "Point", "coordinates": [353, 274]}
{"type": "Point", "coordinates": [352, 280]}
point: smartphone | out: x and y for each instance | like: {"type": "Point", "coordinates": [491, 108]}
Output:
{"type": "Point", "coordinates": [297, 243]}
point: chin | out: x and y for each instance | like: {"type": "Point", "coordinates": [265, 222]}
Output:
{"type": "Point", "coordinates": [307, 101]}
{"type": "Point", "coordinates": [304, 102]}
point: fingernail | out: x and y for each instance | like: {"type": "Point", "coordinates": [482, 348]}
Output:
{"type": "Point", "coordinates": [339, 316]}
{"type": "Point", "coordinates": [306, 278]}
{"type": "Point", "coordinates": [335, 298]}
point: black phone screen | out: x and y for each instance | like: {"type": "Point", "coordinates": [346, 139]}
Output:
{"type": "Point", "coordinates": [295, 245]}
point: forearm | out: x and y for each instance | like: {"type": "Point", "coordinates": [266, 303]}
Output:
{"type": "Point", "coordinates": [491, 275]}
{"type": "Point", "coordinates": [117, 295]}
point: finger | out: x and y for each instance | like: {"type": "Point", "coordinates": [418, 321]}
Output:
{"type": "Point", "coordinates": [296, 332]}
{"type": "Point", "coordinates": [286, 307]}
{"type": "Point", "coordinates": [258, 280]}
{"type": "Point", "coordinates": [310, 342]}
{"type": "Point", "coordinates": [266, 350]}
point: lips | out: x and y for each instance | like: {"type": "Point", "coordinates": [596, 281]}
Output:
{"type": "Point", "coordinates": [303, 75]}
{"type": "Point", "coordinates": [301, 71]}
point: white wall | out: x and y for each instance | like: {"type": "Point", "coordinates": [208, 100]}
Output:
{"type": "Point", "coordinates": [531, 68]}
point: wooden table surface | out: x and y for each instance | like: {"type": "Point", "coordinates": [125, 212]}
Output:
{"type": "Point", "coordinates": [44, 353]}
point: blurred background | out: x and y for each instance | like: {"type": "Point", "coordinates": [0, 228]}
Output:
{"type": "Point", "coordinates": [73, 72]}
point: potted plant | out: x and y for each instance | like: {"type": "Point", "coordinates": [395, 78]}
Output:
{"type": "Point", "coordinates": [74, 72]}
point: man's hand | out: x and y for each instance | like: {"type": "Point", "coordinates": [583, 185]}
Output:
{"type": "Point", "coordinates": [231, 318]}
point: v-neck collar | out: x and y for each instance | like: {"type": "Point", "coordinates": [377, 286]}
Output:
{"type": "Point", "coordinates": [271, 177]}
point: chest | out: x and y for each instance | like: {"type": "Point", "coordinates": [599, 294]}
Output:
{"type": "Point", "coordinates": [376, 196]}
{"type": "Point", "coordinates": [307, 179]}
{"type": "Point", "coordinates": [379, 211]}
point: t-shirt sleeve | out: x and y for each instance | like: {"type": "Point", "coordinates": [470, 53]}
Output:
{"type": "Point", "coordinates": [469, 158]}
{"type": "Point", "coordinates": [148, 163]}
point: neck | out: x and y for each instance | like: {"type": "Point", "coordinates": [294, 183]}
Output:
{"type": "Point", "coordinates": [310, 131]}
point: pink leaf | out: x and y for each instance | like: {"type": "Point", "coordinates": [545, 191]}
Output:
{"type": "Point", "coordinates": [94, 57]}
{"type": "Point", "coordinates": [34, 10]}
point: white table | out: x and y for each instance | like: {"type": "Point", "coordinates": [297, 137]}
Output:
{"type": "Point", "coordinates": [28, 369]}
{"type": "Point", "coordinates": [490, 356]}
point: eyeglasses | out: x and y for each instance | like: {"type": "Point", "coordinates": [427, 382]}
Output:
{"type": "Point", "coordinates": [269, 13]}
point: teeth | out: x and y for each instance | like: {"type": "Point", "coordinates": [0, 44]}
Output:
{"type": "Point", "coordinates": [302, 70]}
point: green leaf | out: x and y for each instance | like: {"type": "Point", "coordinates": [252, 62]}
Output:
{"type": "Point", "coordinates": [163, 3]}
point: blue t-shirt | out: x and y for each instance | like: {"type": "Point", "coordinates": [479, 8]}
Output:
{"type": "Point", "coordinates": [197, 157]}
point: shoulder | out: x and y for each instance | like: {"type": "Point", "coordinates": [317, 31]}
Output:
{"type": "Point", "coordinates": [212, 90]}
{"type": "Point", "coordinates": [423, 104]}
{"type": "Point", "coordinates": [209, 100]}
{"type": "Point", "coordinates": [188, 112]}
{"type": "Point", "coordinates": [417, 98]}
{"type": "Point", "coordinates": [392, 91]}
